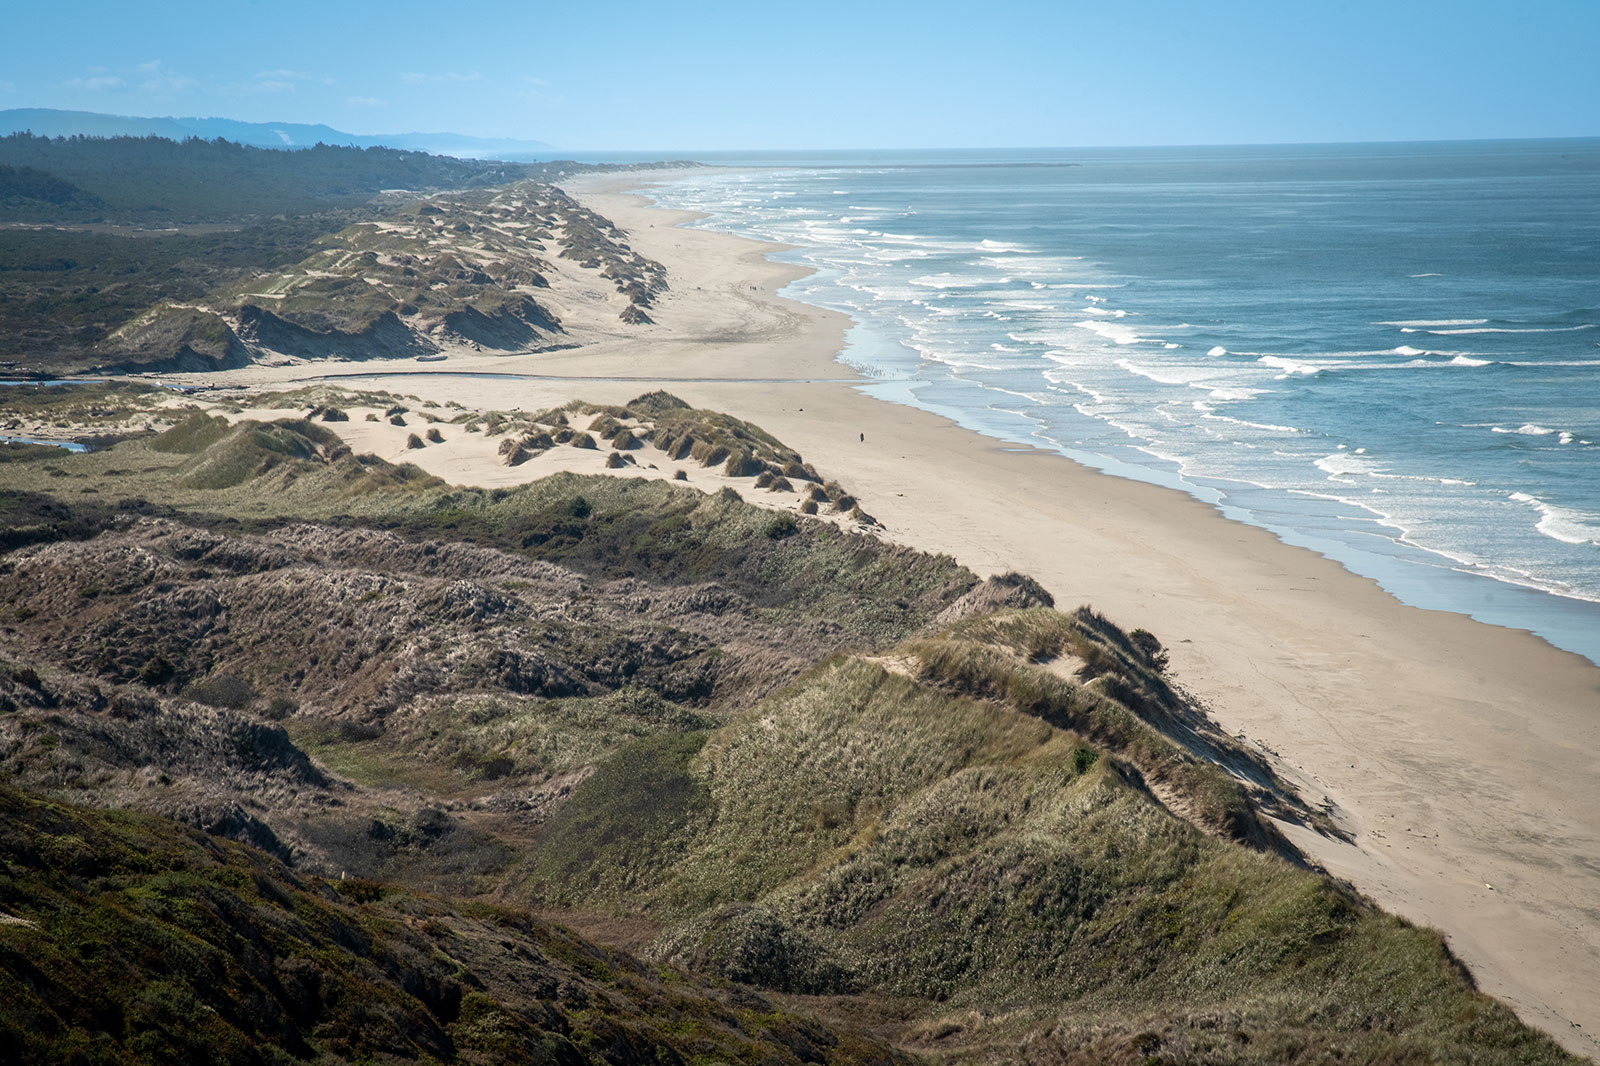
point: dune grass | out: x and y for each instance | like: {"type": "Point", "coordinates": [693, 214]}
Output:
{"type": "Point", "coordinates": [129, 939]}
{"type": "Point", "coordinates": [862, 832]}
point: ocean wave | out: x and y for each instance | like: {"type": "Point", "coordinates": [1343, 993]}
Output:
{"type": "Point", "coordinates": [1566, 524]}
{"type": "Point", "coordinates": [1168, 375]}
{"type": "Point", "coordinates": [1111, 331]}
{"type": "Point", "coordinates": [1206, 412]}
{"type": "Point", "coordinates": [1341, 464]}
{"type": "Point", "coordinates": [1406, 349]}
{"type": "Point", "coordinates": [951, 281]}
{"type": "Point", "coordinates": [956, 360]}
{"type": "Point", "coordinates": [1527, 429]}
{"type": "Point", "coordinates": [1002, 246]}
{"type": "Point", "coordinates": [1029, 266]}
{"type": "Point", "coordinates": [896, 255]}
{"type": "Point", "coordinates": [1436, 323]}
{"type": "Point", "coordinates": [1219, 350]}
{"type": "Point", "coordinates": [1467, 360]}
{"type": "Point", "coordinates": [1290, 366]}
{"type": "Point", "coordinates": [1424, 275]}
{"type": "Point", "coordinates": [1507, 329]}
{"type": "Point", "coordinates": [1552, 362]}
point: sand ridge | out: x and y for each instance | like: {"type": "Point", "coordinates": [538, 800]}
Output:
{"type": "Point", "coordinates": [1464, 759]}
{"type": "Point", "coordinates": [470, 454]}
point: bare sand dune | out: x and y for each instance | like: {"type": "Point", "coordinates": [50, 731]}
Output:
{"type": "Point", "coordinates": [1464, 759]}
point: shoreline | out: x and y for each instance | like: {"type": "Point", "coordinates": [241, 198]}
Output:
{"type": "Point", "coordinates": [1408, 556]}
{"type": "Point", "coordinates": [1471, 792]}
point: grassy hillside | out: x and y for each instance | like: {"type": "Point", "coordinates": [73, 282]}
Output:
{"type": "Point", "coordinates": [811, 763]}
{"type": "Point", "coordinates": [865, 832]}
{"type": "Point", "coordinates": [126, 939]}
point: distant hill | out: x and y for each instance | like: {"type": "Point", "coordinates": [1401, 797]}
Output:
{"type": "Point", "coordinates": [49, 122]}
{"type": "Point", "coordinates": [148, 179]}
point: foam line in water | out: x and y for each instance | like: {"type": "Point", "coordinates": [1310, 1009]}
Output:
{"type": "Point", "coordinates": [1566, 524]}
{"type": "Point", "coordinates": [1289, 366]}
{"type": "Point", "coordinates": [1436, 323]}
{"type": "Point", "coordinates": [1506, 329]}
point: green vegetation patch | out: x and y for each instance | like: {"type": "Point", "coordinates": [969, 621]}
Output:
{"type": "Point", "coordinates": [128, 939]}
{"type": "Point", "coordinates": [865, 833]}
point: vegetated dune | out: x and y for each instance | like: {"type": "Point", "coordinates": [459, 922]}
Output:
{"type": "Point", "coordinates": [798, 759]}
{"type": "Point", "coordinates": [129, 939]}
{"type": "Point", "coordinates": [139, 253]}
{"type": "Point", "coordinates": [472, 268]}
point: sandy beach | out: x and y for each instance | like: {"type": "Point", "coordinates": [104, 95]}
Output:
{"type": "Point", "coordinates": [1463, 759]}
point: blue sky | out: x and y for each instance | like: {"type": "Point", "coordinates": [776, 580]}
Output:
{"type": "Point", "coordinates": [825, 74]}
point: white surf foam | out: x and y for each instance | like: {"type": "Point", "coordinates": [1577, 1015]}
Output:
{"type": "Point", "coordinates": [1218, 350]}
{"type": "Point", "coordinates": [1566, 524]}
{"type": "Point", "coordinates": [1436, 323]}
{"type": "Point", "coordinates": [1168, 375]}
{"type": "Point", "coordinates": [1289, 366]}
{"type": "Point", "coordinates": [1340, 465]}
{"type": "Point", "coordinates": [1207, 412]}
{"type": "Point", "coordinates": [950, 281]}
{"type": "Point", "coordinates": [1111, 331]}
{"type": "Point", "coordinates": [1503, 329]}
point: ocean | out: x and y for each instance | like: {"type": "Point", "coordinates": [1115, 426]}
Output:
{"type": "Point", "coordinates": [1387, 353]}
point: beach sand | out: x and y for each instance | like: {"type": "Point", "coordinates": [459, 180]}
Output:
{"type": "Point", "coordinates": [1463, 759]}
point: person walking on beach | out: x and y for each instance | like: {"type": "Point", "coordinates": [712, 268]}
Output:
{"type": "Point", "coordinates": [863, 438]}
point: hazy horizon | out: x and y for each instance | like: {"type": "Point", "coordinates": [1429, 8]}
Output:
{"type": "Point", "coordinates": [819, 149]}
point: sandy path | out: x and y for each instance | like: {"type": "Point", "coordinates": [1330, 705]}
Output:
{"type": "Point", "coordinates": [1464, 758]}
